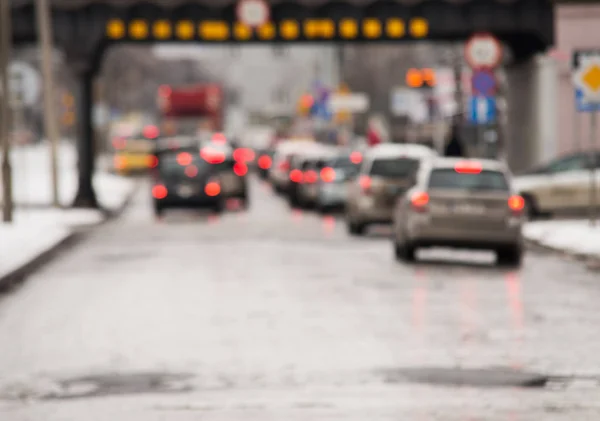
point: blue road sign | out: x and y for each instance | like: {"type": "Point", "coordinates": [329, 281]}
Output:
{"type": "Point", "coordinates": [483, 83]}
{"type": "Point", "coordinates": [582, 105]}
{"type": "Point", "coordinates": [482, 109]}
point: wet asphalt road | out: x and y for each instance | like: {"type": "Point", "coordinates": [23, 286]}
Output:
{"type": "Point", "coordinates": [278, 315]}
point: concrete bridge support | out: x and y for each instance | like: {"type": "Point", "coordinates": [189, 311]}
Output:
{"type": "Point", "coordinates": [531, 135]}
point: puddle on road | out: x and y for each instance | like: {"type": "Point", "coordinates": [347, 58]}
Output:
{"type": "Point", "coordinates": [100, 386]}
{"type": "Point", "coordinates": [480, 377]}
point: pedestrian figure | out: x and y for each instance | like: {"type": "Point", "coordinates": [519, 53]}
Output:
{"type": "Point", "coordinates": [454, 146]}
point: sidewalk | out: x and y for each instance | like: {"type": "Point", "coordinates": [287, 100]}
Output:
{"type": "Point", "coordinates": [38, 229]}
{"type": "Point", "coordinates": [572, 237]}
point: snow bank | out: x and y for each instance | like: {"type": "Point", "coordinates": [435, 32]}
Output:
{"type": "Point", "coordinates": [32, 182]}
{"type": "Point", "coordinates": [571, 236]}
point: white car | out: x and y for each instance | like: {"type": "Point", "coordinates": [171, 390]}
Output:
{"type": "Point", "coordinates": [559, 187]}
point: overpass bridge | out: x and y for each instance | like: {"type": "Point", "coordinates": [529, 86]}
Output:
{"type": "Point", "coordinates": [85, 29]}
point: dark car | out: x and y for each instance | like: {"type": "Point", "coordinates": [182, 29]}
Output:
{"type": "Point", "coordinates": [183, 179]}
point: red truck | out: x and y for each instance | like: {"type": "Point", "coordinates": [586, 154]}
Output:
{"type": "Point", "coordinates": [186, 110]}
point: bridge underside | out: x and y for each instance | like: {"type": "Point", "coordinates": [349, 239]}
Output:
{"type": "Point", "coordinates": [83, 29]}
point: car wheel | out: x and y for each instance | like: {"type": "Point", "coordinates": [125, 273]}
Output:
{"type": "Point", "coordinates": [510, 256]}
{"type": "Point", "coordinates": [245, 201]}
{"type": "Point", "coordinates": [531, 207]}
{"type": "Point", "coordinates": [405, 252]}
{"type": "Point", "coordinates": [219, 206]}
{"type": "Point", "coordinates": [356, 229]}
{"type": "Point", "coordinates": [159, 211]}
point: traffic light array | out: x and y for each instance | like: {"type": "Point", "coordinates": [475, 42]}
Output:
{"type": "Point", "coordinates": [420, 78]}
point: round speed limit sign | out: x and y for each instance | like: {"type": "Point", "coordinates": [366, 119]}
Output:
{"type": "Point", "coordinates": [483, 51]}
{"type": "Point", "coordinates": [253, 13]}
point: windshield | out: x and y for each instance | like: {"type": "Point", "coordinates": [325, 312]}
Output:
{"type": "Point", "coordinates": [394, 167]}
{"type": "Point", "coordinates": [485, 180]}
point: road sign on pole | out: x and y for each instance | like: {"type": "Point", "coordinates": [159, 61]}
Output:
{"type": "Point", "coordinates": [482, 109]}
{"type": "Point", "coordinates": [352, 103]}
{"type": "Point", "coordinates": [253, 13]}
{"type": "Point", "coordinates": [586, 78]}
{"type": "Point", "coordinates": [483, 51]}
{"type": "Point", "coordinates": [483, 83]}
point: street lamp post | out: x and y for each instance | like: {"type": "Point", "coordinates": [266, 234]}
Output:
{"type": "Point", "coordinates": [50, 123]}
{"type": "Point", "coordinates": [5, 47]}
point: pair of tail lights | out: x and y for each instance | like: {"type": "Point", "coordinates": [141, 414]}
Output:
{"type": "Point", "coordinates": [211, 189]}
{"type": "Point", "coordinates": [420, 200]}
{"type": "Point", "coordinates": [326, 175]}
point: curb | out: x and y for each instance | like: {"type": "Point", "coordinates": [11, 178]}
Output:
{"type": "Point", "coordinates": [17, 276]}
{"type": "Point", "coordinates": [591, 262]}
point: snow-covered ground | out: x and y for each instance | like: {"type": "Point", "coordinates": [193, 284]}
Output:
{"type": "Point", "coordinates": [576, 237]}
{"type": "Point", "coordinates": [32, 181]}
{"type": "Point", "coordinates": [37, 230]}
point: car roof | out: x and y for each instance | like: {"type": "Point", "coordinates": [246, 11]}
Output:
{"type": "Point", "coordinates": [397, 150]}
{"type": "Point", "coordinates": [486, 164]}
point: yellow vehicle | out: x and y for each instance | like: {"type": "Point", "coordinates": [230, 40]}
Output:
{"type": "Point", "coordinates": [134, 154]}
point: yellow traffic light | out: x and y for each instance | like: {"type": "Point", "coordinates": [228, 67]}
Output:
{"type": "Point", "coordinates": [395, 28]}
{"type": "Point", "coordinates": [185, 30]}
{"type": "Point", "coordinates": [289, 29]}
{"type": "Point", "coordinates": [419, 27]}
{"type": "Point", "coordinates": [348, 28]}
{"type": "Point", "coordinates": [242, 32]}
{"type": "Point", "coordinates": [372, 28]}
{"type": "Point", "coordinates": [138, 29]}
{"type": "Point", "coordinates": [267, 31]}
{"type": "Point", "coordinates": [115, 29]}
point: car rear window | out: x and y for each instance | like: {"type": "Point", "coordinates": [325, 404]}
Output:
{"type": "Point", "coordinates": [485, 180]}
{"type": "Point", "coordinates": [394, 167]}
{"type": "Point", "coordinates": [170, 167]}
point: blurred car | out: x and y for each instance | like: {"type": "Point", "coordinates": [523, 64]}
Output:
{"type": "Point", "coordinates": [560, 186]}
{"type": "Point", "coordinates": [185, 180]}
{"type": "Point", "coordinates": [233, 173]}
{"type": "Point", "coordinates": [461, 203]}
{"type": "Point", "coordinates": [279, 174]}
{"type": "Point", "coordinates": [308, 188]}
{"type": "Point", "coordinates": [386, 171]}
{"type": "Point", "coordinates": [335, 178]}
{"type": "Point", "coordinates": [132, 154]}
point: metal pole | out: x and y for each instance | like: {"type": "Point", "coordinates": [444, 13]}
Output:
{"type": "Point", "coordinates": [576, 128]}
{"type": "Point", "coordinates": [50, 123]}
{"type": "Point", "coordinates": [5, 46]}
{"type": "Point", "coordinates": [593, 187]}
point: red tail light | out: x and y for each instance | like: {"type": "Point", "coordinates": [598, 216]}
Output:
{"type": "Point", "coordinates": [327, 174]}
{"type": "Point", "coordinates": [184, 159]}
{"type": "Point", "coordinates": [212, 156]}
{"type": "Point", "coordinates": [356, 157]}
{"type": "Point", "coordinates": [419, 201]}
{"type": "Point", "coordinates": [240, 169]}
{"type": "Point", "coordinates": [467, 167]}
{"type": "Point", "coordinates": [516, 203]}
{"type": "Point", "coordinates": [243, 154]}
{"type": "Point", "coordinates": [212, 189]}
{"type": "Point", "coordinates": [153, 161]}
{"type": "Point", "coordinates": [365, 183]}
{"type": "Point", "coordinates": [310, 177]}
{"type": "Point", "coordinates": [296, 176]}
{"type": "Point", "coordinates": [284, 166]}
{"type": "Point", "coordinates": [264, 162]}
{"type": "Point", "coordinates": [159, 191]}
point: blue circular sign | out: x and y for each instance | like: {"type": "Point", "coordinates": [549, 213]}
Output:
{"type": "Point", "coordinates": [483, 83]}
